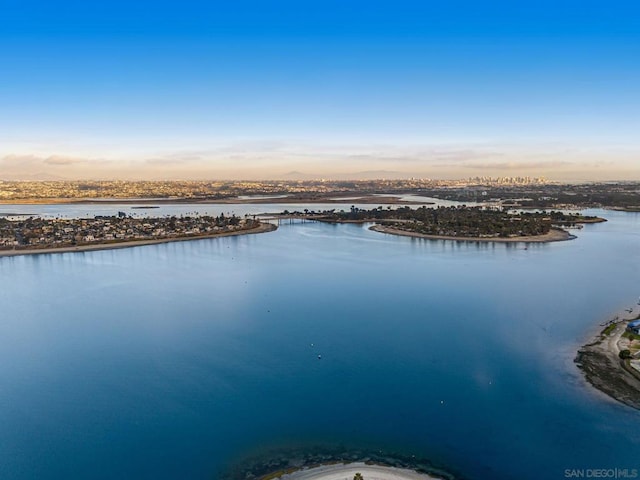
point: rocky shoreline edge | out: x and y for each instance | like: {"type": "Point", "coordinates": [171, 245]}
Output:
{"type": "Point", "coordinates": [355, 470]}
{"type": "Point", "coordinates": [283, 463]}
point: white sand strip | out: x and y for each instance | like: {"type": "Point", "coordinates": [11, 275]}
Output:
{"type": "Point", "coordinates": [554, 235]}
{"type": "Point", "coordinates": [347, 472]}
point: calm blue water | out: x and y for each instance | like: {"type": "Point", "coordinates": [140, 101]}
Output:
{"type": "Point", "coordinates": [170, 361]}
{"type": "Point", "coordinates": [112, 208]}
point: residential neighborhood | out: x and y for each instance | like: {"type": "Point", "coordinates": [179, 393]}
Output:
{"type": "Point", "coordinates": [35, 232]}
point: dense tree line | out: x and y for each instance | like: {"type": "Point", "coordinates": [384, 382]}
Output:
{"type": "Point", "coordinates": [461, 221]}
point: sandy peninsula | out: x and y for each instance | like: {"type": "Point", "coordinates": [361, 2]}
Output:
{"type": "Point", "coordinates": [347, 472]}
{"type": "Point", "coordinates": [262, 228]}
{"type": "Point", "coordinates": [554, 235]}
{"type": "Point", "coordinates": [600, 361]}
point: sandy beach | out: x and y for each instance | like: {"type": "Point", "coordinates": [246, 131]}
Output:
{"type": "Point", "coordinates": [603, 368]}
{"type": "Point", "coordinates": [554, 235]}
{"type": "Point", "coordinates": [347, 472]}
{"type": "Point", "coordinates": [262, 228]}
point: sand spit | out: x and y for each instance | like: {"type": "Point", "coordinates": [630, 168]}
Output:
{"type": "Point", "coordinates": [348, 471]}
{"type": "Point", "coordinates": [554, 235]}
{"type": "Point", "coordinates": [603, 368]}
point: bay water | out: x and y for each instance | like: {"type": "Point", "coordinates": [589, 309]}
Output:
{"type": "Point", "coordinates": [176, 360]}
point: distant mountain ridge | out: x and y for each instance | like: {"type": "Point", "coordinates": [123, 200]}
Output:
{"type": "Point", "coordinates": [33, 177]}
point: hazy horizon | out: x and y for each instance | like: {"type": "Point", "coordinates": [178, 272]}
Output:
{"type": "Point", "coordinates": [257, 90]}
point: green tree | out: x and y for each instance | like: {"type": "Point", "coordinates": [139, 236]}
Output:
{"type": "Point", "coordinates": [624, 354]}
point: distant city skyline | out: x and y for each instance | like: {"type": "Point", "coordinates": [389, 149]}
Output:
{"type": "Point", "coordinates": [268, 90]}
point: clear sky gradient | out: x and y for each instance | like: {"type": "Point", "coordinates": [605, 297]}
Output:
{"type": "Point", "coordinates": [284, 89]}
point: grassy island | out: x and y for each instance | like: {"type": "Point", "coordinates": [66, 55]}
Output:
{"type": "Point", "coordinates": [462, 222]}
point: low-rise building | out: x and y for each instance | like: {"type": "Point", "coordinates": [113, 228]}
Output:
{"type": "Point", "coordinates": [634, 327]}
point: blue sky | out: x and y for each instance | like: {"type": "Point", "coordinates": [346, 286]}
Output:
{"type": "Point", "coordinates": [247, 89]}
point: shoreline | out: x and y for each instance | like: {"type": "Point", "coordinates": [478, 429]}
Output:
{"type": "Point", "coordinates": [262, 228]}
{"type": "Point", "coordinates": [602, 367]}
{"type": "Point", "coordinates": [554, 235]}
{"type": "Point", "coordinates": [348, 470]}
{"type": "Point", "coordinates": [336, 198]}
{"type": "Point", "coordinates": [275, 463]}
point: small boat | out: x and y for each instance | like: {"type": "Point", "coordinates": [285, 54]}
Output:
{"type": "Point", "coordinates": [319, 357]}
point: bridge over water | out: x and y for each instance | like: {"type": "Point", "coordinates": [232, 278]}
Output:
{"type": "Point", "coordinates": [291, 218]}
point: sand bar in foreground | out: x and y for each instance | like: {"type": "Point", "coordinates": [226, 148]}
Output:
{"type": "Point", "coordinates": [554, 235]}
{"type": "Point", "coordinates": [262, 228]}
{"type": "Point", "coordinates": [347, 472]}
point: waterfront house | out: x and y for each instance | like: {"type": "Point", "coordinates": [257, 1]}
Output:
{"type": "Point", "coordinates": [634, 327]}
